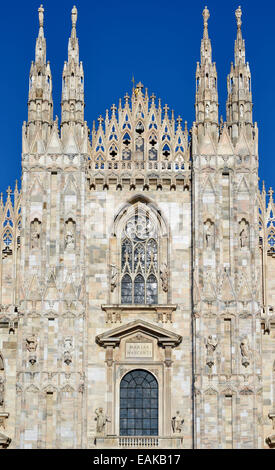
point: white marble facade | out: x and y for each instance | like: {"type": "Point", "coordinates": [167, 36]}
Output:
{"type": "Point", "coordinates": [137, 272]}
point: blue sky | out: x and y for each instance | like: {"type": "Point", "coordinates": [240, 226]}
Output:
{"type": "Point", "coordinates": [157, 41]}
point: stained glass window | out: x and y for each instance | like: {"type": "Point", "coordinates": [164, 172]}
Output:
{"type": "Point", "coordinates": [139, 404]}
{"type": "Point", "coordinates": [139, 262]}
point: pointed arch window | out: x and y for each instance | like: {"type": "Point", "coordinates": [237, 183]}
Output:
{"type": "Point", "coordinates": [99, 163]}
{"type": "Point", "coordinates": [126, 151]}
{"type": "Point", "coordinates": [139, 261]}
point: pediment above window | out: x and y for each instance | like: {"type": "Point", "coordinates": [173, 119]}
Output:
{"type": "Point", "coordinates": [164, 337]}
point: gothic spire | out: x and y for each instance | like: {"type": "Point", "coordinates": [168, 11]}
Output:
{"type": "Point", "coordinates": [206, 85]}
{"type": "Point", "coordinates": [239, 102]}
{"type": "Point", "coordinates": [40, 50]}
{"type": "Point", "coordinates": [40, 105]}
{"type": "Point", "coordinates": [239, 43]}
{"type": "Point", "coordinates": [73, 85]}
{"type": "Point", "coordinates": [206, 50]}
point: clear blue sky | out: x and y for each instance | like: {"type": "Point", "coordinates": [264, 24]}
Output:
{"type": "Point", "coordinates": [158, 41]}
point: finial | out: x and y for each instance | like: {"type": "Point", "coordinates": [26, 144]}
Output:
{"type": "Point", "coordinates": [238, 14]}
{"type": "Point", "coordinates": [206, 16]}
{"type": "Point", "coordinates": [166, 109]}
{"type": "Point", "coordinates": [41, 16]}
{"type": "Point", "coordinates": [74, 16]}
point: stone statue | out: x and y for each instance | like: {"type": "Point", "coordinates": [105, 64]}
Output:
{"type": "Point", "coordinates": [35, 236]}
{"type": "Point", "coordinates": [245, 352]}
{"type": "Point", "coordinates": [41, 16]}
{"type": "Point", "coordinates": [177, 423]}
{"type": "Point", "coordinates": [208, 227]}
{"type": "Point", "coordinates": [69, 240]}
{"type": "Point", "coordinates": [114, 275]}
{"type": "Point", "coordinates": [101, 420]}
{"type": "Point", "coordinates": [2, 390]}
{"type": "Point", "coordinates": [164, 276]}
{"type": "Point", "coordinates": [211, 346]}
{"type": "Point", "coordinates": [244, 238]}
{"type": "Point", "coordinates": [68, 346]}
{"type": "Point", "coordinates": [241, 111]}
{"type": "Point", "coordinates": [74, 16]}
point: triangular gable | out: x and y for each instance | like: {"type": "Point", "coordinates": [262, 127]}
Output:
{"type": "Point", "coordinates": [70, 145]}
{"type": "Point", "coordinates": [163, 336]}
{"type": "Point", "coordinates": [226, 290]}
{"type": "Point", "coordinates": [51, 292]}
{"type": "Point", "coordinates": [34, 289]}
{"type": "Point", "coordinates": [208, 187]}
{"type": "Point", "coordinates": [37, 191]}
{"type": "Point", "coordinates": [206, 145]}
{"type": "Point", "coordinates": [69, 289]}
{"type": "Point", "coordinates": [242, 148]}
{"type": "Point", "coordinates": [54, 145]}
{"type": "Point", "coordinates": [38, 145]}
{"type": "Point", "coordinates": [70, 187]}
{"type": "Point", "coordinates": [243, 186]}
{"type": "Point", "coordinates": [225, 146]}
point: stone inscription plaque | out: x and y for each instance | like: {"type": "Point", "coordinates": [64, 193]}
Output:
{"type": "Point", "coordinates": [139, 349]}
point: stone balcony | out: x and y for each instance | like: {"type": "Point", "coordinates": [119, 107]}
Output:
{"type": "Point", "coordinates": [125, 165]}
{"type": "Point", "coordinates": [144, 175]}
{"type": "Point", "coordinates": [138, 442]}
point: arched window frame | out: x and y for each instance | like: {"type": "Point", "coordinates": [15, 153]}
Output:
{"type": "Point", "coordinates": [133, 422]}
{"type": "Point", "coordinates": [143, 207]}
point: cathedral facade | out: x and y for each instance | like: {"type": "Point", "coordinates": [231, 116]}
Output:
{"type": "Point", "coordinates": [137, 275]}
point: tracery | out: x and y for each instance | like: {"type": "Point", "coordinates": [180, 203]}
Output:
{"type": "Point", "coordinates": [139, 261]}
